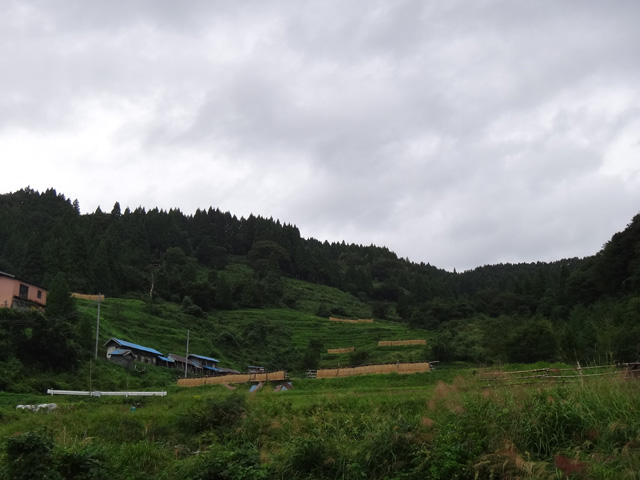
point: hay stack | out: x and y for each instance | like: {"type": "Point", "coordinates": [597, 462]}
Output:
{"type": "Point", "coordinates": [346, 320]}
{"type": "Point", "coordinates": [393, 343]}
{"type": "Point", "coordinates": [240, 378]}
{"type": "Point", "coordinates": [374, 369]}
{"type": "Point", "coordinates": [341, 350]}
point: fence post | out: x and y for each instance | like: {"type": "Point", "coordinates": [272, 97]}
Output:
{"type": "Point", "coordinates": [580, 372]}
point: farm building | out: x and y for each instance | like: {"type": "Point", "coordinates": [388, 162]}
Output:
{"type": "Point", "coordinates": [165, 361]}
{"type": "Point", "coordinates": [141, 354]}
{"type": "Point", "coordinates": [209, 365]}
{"type": "Point", "coordinates": [122, 357]}
{"type": "Point", "coordinates": [124, 353]}
{"type": "Point", "coordinates": [180, 362]}
{"type": "Point", "coordinates": [227, 371]}
{"type": "Point", "coordinates": [17, 293]}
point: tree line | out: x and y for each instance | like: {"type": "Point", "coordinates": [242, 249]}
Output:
{"type": "Point", "coordinates": [577, 308]}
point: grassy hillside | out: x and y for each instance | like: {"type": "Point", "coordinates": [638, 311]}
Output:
{"type": "Point", "coordinates": [276, 338]}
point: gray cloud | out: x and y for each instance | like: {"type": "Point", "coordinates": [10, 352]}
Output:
{"type": "Point", "coordinates": [456, 133]}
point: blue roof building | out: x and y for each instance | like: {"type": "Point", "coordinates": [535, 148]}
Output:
{"type": "Point", "coordinates": [208, 364]}
{"type": "Point", "coordinates": [141, 353]}
{"type": "Point", "coordinates": [212, 362]}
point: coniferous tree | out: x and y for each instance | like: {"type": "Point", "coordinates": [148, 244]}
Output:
{"type": "Point", "coordinates": [60, 303]}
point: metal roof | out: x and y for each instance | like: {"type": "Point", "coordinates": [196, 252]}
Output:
{"type": "Point", "coordinates": [124, 343]}
{"type": "Point", "coordinates": [180, 359]}
{"type": "Point", "coordinates": [5, 274]}
{"type": "Point", "coordinates": [203, 358]}
{"type": "Point", "coordinates": [214, 369]}
{"type": "Point", "coordinates": [166, 359]}
{"type": "Point", "coordinates": [120, 351]}
{"type": "Point", "coordinates": [227, 370]}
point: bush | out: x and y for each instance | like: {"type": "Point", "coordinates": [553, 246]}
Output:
{"type": "Point", "coordinates": [308, 456]}
{"type": "Point", "coordinates": [29, 456]}
{"type": "Point", "coordinates": [359, 357]}
{"type": "Point", "coordinates": [191, 308]}
{"type": "Point", "coordinates": [218, 463]}
{"type": "Point", "coordinates": [290, 302]}
{"type": "Point", "coordinates": [83, 464]}
{"type": "Point", "coordinates": [142, 460]}
{"type": "Point", "coordinates": [339, 311]}
{"type": "Point", "coordinates": [212, 413]}
{"type": "Point", "coordinates": [532, 342]}
{"type": "Point", "coordinates": [323, 312]}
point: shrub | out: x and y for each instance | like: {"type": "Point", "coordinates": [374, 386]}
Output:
{"type": "Point", "coordinates": [323, 312]}
{"type": "Point", "coordinates": [359, 357]}
{"type": "Point", "coordinates": [82, 464]}
{"type": "Point", "coordinates": [455, 447]}
{"type": "Point", "coordinates": [387, 449]}
{"type": "Point", "coordinates": [212, 413]}
{"type": "Point", "coordinates": [339, 311]}
{"type": "Point", "coordinates": [532, 342]}
{"type": "Point", "coordinates": [151, 458]}
{"type": "Point", "coordinates": [311, 457]}
{"type": "Point", "coordinates": [219, 463]}
{"type": "Point", "coordinates": [29, 456]}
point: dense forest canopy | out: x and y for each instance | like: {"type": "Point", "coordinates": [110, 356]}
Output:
{"type": "Point", "coordinates": [185, 258]}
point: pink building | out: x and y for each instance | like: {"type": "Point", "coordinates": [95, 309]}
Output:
{"type": "Point", "coordinates": [17, 293]}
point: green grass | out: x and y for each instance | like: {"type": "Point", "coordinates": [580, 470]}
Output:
{"type": "Point", "coordinates": [310, 296]}
{"type": "Point", "coordinates": [442, 424]}
{"type": "Point", "coordinates": [434, 425]}
{"type": "Point", "coordinates": [276, 337]}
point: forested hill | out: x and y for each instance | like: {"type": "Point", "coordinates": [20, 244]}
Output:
{"type": "Point", "coordinates": [176, 256]}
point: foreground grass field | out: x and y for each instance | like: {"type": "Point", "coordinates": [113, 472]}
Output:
{"type": "Point", "coordinates": [437, 425]}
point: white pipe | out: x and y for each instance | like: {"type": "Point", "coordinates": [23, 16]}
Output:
{"type": "Point", "coordinates": [106, 394]}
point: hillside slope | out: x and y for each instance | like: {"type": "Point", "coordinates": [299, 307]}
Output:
{"type": "Point", "coordinates": [275, 338]}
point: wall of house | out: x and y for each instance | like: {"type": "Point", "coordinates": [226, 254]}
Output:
{"type": "Point", "coordinates": [145, 358]}
{"type": "Point", "coordinates": [10, 287]}
{"type": "Point", "coordinates": [122, 361]}
{"type": "Point", "coordinates": [36, 294]}
{"type": "Point", "coordinates": [6, 291]}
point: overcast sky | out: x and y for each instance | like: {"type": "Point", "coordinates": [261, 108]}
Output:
{"type": "Point", "coordinates": [456, 133]}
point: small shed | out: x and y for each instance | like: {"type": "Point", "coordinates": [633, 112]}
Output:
{"type": "Point", "coordinates": [255, 369]}
{"type": "Point", "coordinates": [122, 357]}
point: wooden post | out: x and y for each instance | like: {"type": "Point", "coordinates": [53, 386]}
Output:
{"type": "Point", "coordinates": [580, 372]}
{"type": "Point", "coordinates": [97, 326]}
{"type": "Point", "coordinates": [186, 358]}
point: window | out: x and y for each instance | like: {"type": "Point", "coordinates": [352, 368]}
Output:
{"type": "Point", "coordinates": [24, 291]}
{"type": "Point", "coordinates": [39, 294]}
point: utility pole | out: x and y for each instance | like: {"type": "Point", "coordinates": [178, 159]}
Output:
{"type": "Point", "coordinates": [97, 326]}
{"type": "Point", "coordinates": [186, 356]}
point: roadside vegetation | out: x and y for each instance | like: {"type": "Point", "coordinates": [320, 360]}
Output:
{"type": "Point", "coordinates": [437, 425]}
